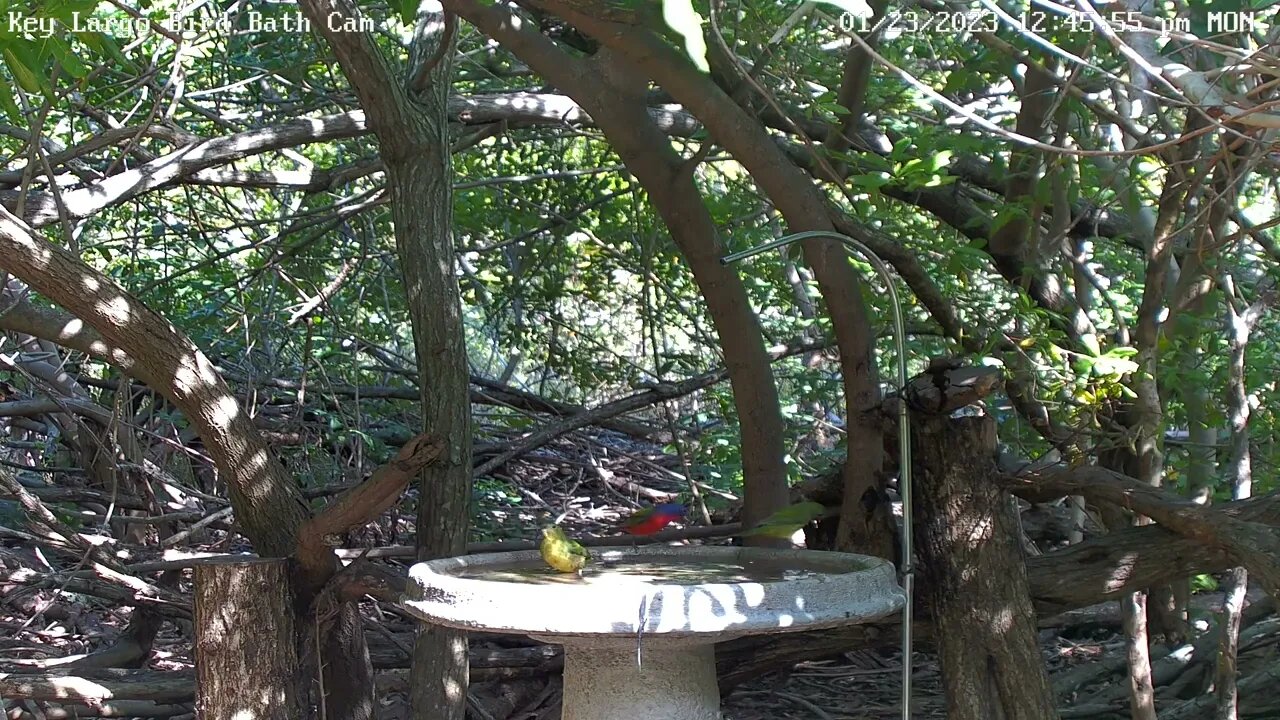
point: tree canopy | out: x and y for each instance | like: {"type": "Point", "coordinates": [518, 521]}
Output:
{"type": "Point", "coordinates": [252, 250]}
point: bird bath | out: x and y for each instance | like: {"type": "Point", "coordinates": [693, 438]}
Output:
{"type": "Point", "coordinates": [639, 626]}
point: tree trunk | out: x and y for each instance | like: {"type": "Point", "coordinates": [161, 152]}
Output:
{"type": "Point", "coordinates": [243, 669]}
{"type": "Point", "coordinates": [865, 522]}
{"type": "Point", "coordinates": [1133, 619]}
{"type": "Point", "coordinates": [422, 208]}
{"type": "Point", "coordinates": [408, 117]}
{"type": "Point", "coordinates": [1239, 326]}
{"type": "Point", "coordinates": [973, 576]}
{"type": "Point", "coordinates": [611, 90]}
{"type": "Point", "coordinates": [1133, 605]}
{"type": "Point", "coordinates": [619, 108]}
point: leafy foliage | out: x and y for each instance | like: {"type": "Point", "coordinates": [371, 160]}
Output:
{"type": "Point", "coordinates": [573, 288]}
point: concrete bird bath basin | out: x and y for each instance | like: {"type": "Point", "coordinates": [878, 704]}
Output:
{"type": "Point", "coordinates": [639, 627]}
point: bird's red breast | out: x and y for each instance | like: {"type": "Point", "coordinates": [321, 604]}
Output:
{"type": "Point", "coordinates": [650, 524]}
{"type": "Point", "coordinates": [652, 519]}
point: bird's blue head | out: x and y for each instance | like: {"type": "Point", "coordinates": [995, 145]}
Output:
{"type": "Point", "coordinates": [675, 509]}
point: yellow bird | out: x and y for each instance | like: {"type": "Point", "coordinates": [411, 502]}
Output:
{"type": "Point", "coordinates": [561, 552]}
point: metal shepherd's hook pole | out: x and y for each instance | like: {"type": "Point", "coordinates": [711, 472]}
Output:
{"type": "Point", "coordinates": [904, 427]}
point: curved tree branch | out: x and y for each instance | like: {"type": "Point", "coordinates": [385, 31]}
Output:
{"type": "Point", "coordinates": [268, 505]}
{"type": "Point", "coordinates": [803, 207]}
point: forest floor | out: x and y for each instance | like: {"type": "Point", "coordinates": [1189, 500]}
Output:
{"type": "Point", "coordinates": [591, 485]}
{"type": "Point", "coordinates": [859, 685]}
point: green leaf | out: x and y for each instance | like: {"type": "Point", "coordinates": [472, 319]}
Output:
{"type": "Point", "coordinates": [11, 109]}
{"type": "Point", "coordinates": [65, 10]}
{"type": "Point", "coordinates": [1113, 366]}
{"type": "Point", "coordinates": [408, 11]}
{"type": "Point", "coordinates": [856, 8]}
{"type": "Point", "coordinates": [681, 17]}
{"type": "Point", "coordinates": [67, 59]}
{"type": "Point", "coordinates": [104, 45]}
{"type": "Point", "coordinates": [1090, 342]}
{"type": "Point", "coordinates": [25, 76]}
{"type": "Point", "coordinates": [1204, 583]}
{"type": "Point", "coordinates": [869, 180]}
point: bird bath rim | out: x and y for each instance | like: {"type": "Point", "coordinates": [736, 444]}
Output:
{"type": "Point", "coordinates": [843, 589]}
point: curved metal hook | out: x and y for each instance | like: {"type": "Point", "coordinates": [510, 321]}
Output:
{"type": "Point", "coordinates": [904, 426]}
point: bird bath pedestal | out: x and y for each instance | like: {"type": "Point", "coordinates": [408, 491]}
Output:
{"type": "Point", "coordinates": [639, 627]}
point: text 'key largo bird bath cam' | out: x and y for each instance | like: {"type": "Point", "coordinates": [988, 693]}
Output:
{"type": "Point", "coordinates": [639, 625]}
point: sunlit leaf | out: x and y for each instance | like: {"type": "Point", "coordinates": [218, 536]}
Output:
{"type": "Point", "coordinates": [681, 17]}
{"type": "Point", "coordinates": [22, 73]}
{"type": "Point", "coordinates": [1090, 342]}
{"type": "Point", "coordinates": [1114, 366]}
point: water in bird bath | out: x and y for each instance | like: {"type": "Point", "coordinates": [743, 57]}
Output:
{"type": "Point", "coordinates": [666, 571]}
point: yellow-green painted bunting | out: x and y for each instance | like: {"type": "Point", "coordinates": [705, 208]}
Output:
{"type": "Point", "coordinates": [785, 522]}
{"type": "Point", "coordinates": [561, 552]}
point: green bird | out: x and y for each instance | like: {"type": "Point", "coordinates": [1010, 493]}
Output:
{"type": "Point", "coordinates": [561, 552]}
{"type": "Point", "coordinates": [784, 523]}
